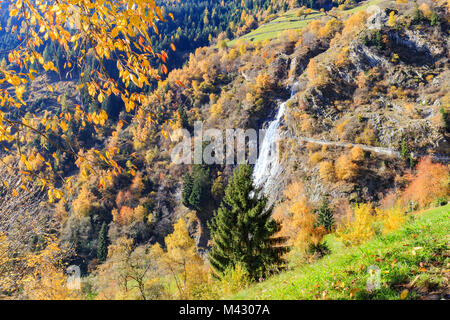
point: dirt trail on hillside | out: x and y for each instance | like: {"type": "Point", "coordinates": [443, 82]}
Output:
{"type": "Point", "coordinates": [379, 150]}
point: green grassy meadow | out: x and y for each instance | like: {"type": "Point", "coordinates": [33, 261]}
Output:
{"type": "Point", "coordinates": [290, 21]}
{"type": "Point", "coordinates": [413, 263]}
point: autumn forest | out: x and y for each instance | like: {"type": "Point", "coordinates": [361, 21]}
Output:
{"type": "Point", "coordinates": [233, 149]}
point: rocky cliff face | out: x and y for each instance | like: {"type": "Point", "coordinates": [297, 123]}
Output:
{"type": "Point", "coordinates": [388, 94]}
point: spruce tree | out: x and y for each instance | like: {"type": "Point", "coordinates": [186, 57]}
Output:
{"type": "Point", "coordinates": [196, 198]}
{"type": "Point", "coordinates": [196, 192]}
{"type": "Point", "coordinates": [102, 243]}
{"type": "Point", "coordinates": [325, 215]}
{"type": "Point", "coordinates": [243, 230]}
{"type": "Point", "coordinates": [187, 189]}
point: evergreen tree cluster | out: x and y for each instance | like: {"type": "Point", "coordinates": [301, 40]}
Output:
{"type": "Point", "coordinates": [196, 192]}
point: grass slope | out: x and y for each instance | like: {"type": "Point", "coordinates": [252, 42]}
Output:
{"type": "Point", "coordinates": [290, 21]}
{"type": "Point", "coordinates": [413, 260]}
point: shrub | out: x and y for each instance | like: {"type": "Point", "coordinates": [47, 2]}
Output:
{"type": "Point", "coordinates": [368, 137]}
{"type": "Point", "coordinates": [319, 250]}
{"type": "Point", "coordinates": [441, 201]}
{"type": "Point", "coordinates": [340, 128]}
{"type": "Point", "coordinates": [354, 25]}
{"type": "Point", "coordinates": [84, 203]}
{"type": "Point", "coordinates": [357, 153]}
{"type": "Point", "coordinates": [326, 171]}
{"type": "Point", "coordinates": [312, 147]}
{"type": "Point", "coordinates": [298, 220]}
{"type": "Point", "coordinates": [392, 19]}
{"type": "Point", "coordinates": [140, 213]}
{"type": "Point", "coordinates": [345, 168]}
{"type": "Point", "coordinates": [330, 28]}
{"type": "Point", "coordinates": [315, 157]}
{"type": "Point", "coordinates": [317, 74]}
{"type": "Point", "coordinates": [446, 118]}
{"type": "Point", "coordinates": [359, 227]}
{"type": "Point", "coordinates": [418, 17]}
{"type": "Point", "coordinates": [434, 19]}
{"type": "Point", "coordinates": [431, 181]}
{"type": "Point", "coordinates": [342, 59]}
{"type": "Point", "coordinates": [425, 8]}
{"type": "Point", "coordinates": [224, 285]}
{"type": "Point", "coordinates": [405, 153]}
{"type": "Point", "coordinates": [233, 280]}
{"type": "Point", "coordinates": [391, 219]}
{"type": "Point", "coordinates": [306, 124]}
{"type": "Point", "coordinates": [373, 39]}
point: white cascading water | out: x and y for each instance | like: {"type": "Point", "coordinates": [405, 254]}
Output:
{"type": "Point", "coordinates": [267, 165]}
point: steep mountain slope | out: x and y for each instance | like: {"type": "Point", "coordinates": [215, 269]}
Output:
{"type": "Point", "coordinates": [358, 84]}
{"type": "Point", "coordinates": [380, 84]}
{"type": "Point", "coordinates": [352, 97]}
{"type": "Point", "coordinates": [369, 78]}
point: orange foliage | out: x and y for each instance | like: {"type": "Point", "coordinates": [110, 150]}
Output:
{"type": "Point", "coordinates": [431, 181]}
{"type": "Point", "coordinates": [315, 157]}
{"type": "Point", "coordinates": [346, 169]}
{"type": "Point", "coordinates": [357, 153]}
{"type": "Point", "coordinates": [354, 24]}
{"type": "Point", "coordinates": [330, 28]}
{"type": "Point", "coordinates": [425, 8]}
{"type": "Point", "coordinates": [46, 279]}
{"type": "Point", "coordinates": [85, 201]}
{"type": "Point", "coordinates": [123, 198]}
{"type": "Point", "coordinates": [262, 83]}
{"type": "Point", "coordinates": [137, 185]}
{"type": "Point", "coordinates": [306, 124]}
{"type": "Point", "coordinates": [298, 219]}
{"type": "Point", "coordinates": [342, 59]}
{"type": "Point", "coordinates": [127, 215]}
{"type": "Point", "coordinates": [315, 26]}
{"type": "Point", "coordinates": [340, 128]}
{"type": "Point", "coordinates": [361, 80]}
{"type": "Point", "coordinates": [317, 74]}
{"type": "Point", "coordinates": [326, 171]}
{"type": "Point", "coordinates": [389, 201]}
{"type": "Point", "coordinates": [367, 137]}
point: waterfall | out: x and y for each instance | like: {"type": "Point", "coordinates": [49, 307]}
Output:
{"type": "Point", "coordinates": [267, 166]}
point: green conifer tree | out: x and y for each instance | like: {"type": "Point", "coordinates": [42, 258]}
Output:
{"type": "Point", "coordinates": [196, 198]}
{"type": "Point", "coordinates": [325, 215]}
{"type": "Point", "coordinates": [196, 192]}
{"type": "Point", "coordinates": [243, 230]}
{"type": "Point", "coordinates": [187, 189]}
{"type": "Point", "coordinates": [102, 243]}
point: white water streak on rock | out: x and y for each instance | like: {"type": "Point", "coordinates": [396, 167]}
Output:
{"type": "Point", "coordinates": [267, 166]}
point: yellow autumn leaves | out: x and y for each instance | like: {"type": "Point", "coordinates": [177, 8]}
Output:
{"type": "Point", "coordinates": [20, 90]}
{"type": "Point", "coordinates": [365, 221]}
{"type": "Point", "coordinates": [118, 29]}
